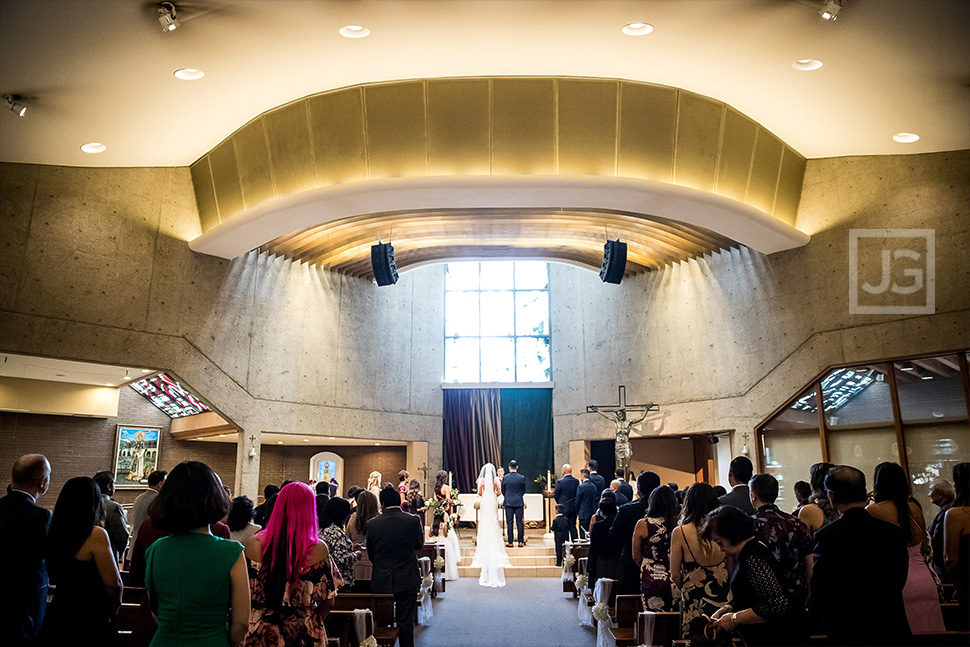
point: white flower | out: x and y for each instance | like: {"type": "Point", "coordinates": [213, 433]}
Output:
{"type": "Point", "coordinates": [439, 562]}
{"type": "Point", "coordinates": [601, 611]}
{"type": "Point", "coordinates": [369, 641]}
{"type": "Point", "coordinates": [581, 582]}
{"type": "Point", "coordinates": [427, 581]}
{"type": "Point", "coordinates": [655, 603]}
{"type": "Point", "coordinates": [569, 560]}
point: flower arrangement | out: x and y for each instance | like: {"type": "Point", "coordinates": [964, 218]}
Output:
{"type": "Point", "coordinates": [439, 562]}
{"type": "Point", "coordinates": [581, 582]}
{"type": "Point", "coordinates": [569, 560]}
{"type": "Point", "coordinates": [427, 581]}
{"type": "Point", "coordinates": [369, 641]}
{"type": "Point", "coordinates": [601, 611]}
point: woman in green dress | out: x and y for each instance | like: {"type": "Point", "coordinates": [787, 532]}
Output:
{"type": "Point", "coordinates": [197, 584]}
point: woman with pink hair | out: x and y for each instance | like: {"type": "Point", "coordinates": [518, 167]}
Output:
{"type": "Point", "coordinates": [296, 581]}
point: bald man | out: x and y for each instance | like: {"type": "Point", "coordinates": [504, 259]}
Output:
{"type": "Point", "coordinates": [23, 540]}
{"type": "Point", "coordinates": [565, 494]}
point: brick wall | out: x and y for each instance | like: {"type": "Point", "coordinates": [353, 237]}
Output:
{"type": "Point", "coordinates": [280, 462]}
{"type": "Point", "coordinates": [84, 446]}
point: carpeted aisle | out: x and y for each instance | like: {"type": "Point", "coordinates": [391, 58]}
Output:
{"type": "Point", "coordinates": [528, 612]}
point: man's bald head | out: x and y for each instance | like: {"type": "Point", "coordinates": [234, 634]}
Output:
{"type": "Point", "coordinates": [31, 473]}
{"type": "Point", "coordinates": [567, 468]}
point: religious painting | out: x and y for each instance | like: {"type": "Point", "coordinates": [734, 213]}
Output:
{"type": "Point", "coordinates": [327, 467]}
{"type": "Point", "coordinates": [136, 455]}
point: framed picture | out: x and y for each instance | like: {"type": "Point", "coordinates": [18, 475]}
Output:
{"type": "Point", "coordinates": [136, 455]}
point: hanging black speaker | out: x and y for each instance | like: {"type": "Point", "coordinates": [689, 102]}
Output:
{"type": "Point", "coordinates": [382, 261]}
{"type": "Point", "coordinates": [614, 261]}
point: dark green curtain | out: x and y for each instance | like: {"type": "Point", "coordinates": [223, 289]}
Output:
{"type": "Point", "coordinates": [527, 432]}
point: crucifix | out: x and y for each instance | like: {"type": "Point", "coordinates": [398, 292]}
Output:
{"type": "Point", "coordinates": [617, 414]}
{"type": "Point", "coordinates": [424, 473]}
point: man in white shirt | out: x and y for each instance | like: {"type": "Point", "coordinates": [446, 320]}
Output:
{"type": "Point", "coordinates": [139, 509]}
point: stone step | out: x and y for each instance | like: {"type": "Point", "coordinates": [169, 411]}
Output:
{"type": "Point", "coordinates": [517, 560]}
{"type": "Point", "coordinates": [515, 571]}
{"type": "Point", "coordinates": [528, 551]}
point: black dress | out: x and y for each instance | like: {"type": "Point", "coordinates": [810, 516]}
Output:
{"type": "Point", "coordinates": [755, 585]}
{"type": "Point", "coordinates": [80, 606]}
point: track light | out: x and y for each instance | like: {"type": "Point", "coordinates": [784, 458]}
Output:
{"type": "Point", "coordinates": [830, 9]}
{"type": "Point", "coordinates": [18, 109]}
{"type": "Point", "coordinates": [166, 17]}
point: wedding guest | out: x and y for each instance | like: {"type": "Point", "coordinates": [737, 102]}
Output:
{"type": "Point", "coordinates": [956, 540]}
{"type": "Point", "coordinates": [625, 488]}
{"type": "Point", "coordinates": [621, 499]}
{"type": "Point", "coordinates": [598, 480]}
{"type": "Point", "coordinates": [621, 531]}
{"type": "Point", "coordinates": [295, 585]}
{"type": "Point", "coordinates": [374, 483]}
{"type": "Point", "coordinates": [366, 510]}
{"type": "Point", "coordinates": [113, 516]}
{"type": "Point", "coordinates": [442, 497]}
{"type": "Point", "coordinates": [738, 476]}
{"type": "Point", "coordinates": [785, 536]}
{"type": "Point", "coordinates": [942, 494]}
{"type": "Point", "coordinates": [264, 509]}
{"type": "Point", "coordinates": [195, 581]}
{"type": "Point", "coordinates": [603, 559]}
{"type": "Point", "coordinates": [321, 501]}
{"type": "Point", "coordinates": [139, 509]}
{"type": "Point", "coordinates": [560, 531]}
{"type": "Point", "coordinates": [342, 551]}
{"type": "Point", "coordinates": [404, 479]}
{"type": "Point", "coordinates": [565, 493]}
{"type": "Point", "coordinates": [719, 491]}
{"type": "Point", "coordinates": [322, 487]}
{"type": "Point", "coordinates": [802, 491]}
{"type": "Point", "coordinates": [650, 548]}
{"type": "Point", "coordinates": [587, 499]}
{"type": "Point", "coordinates": [23, 538]}
{"type": "Point", "coordinates": [352, 495]}
{"type": "Point", "coordinates": [240, 521]}
{"type": "Point", "coordinates": [697, 566]}
{"type": "Point", "coordinates": [894, 502]}
{"type": "Point", "coordinates": [83, 569]}
{"type": "Point", "coordinates": [818, 512]}
{"type": "Point", "coordinates": [760, 612]}
{"type": "Point", "coordinates": [414, 501]}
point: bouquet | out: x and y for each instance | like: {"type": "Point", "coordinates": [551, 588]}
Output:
{"type": "Point", "coordinates": [601, 611]}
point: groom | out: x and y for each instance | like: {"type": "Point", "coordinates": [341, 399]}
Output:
{"type": "Point", "coordinates": [513, 489]}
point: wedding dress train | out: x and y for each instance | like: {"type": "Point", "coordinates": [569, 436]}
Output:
{"type": "Point", "coordinates": [490, 553]}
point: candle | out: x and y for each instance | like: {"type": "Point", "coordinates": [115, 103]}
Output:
{"type": "Point", "coordinates": [548, 480]}
{"type": "Point", "coordinates": [449, 480]}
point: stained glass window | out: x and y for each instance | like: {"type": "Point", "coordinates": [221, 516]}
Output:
{"type": "Point", "coordinates": [169, 396]}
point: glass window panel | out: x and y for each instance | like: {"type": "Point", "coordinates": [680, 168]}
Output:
{"type": "Point", "coordinates": [930, 389]}
{"type": "Point", "coordinates": [532, 313]}
{"type": "Point", "coordinates": [461, 276]}
{"type": "Point", "coordinates": [497, 314]}
{"type": "Point", "coordinates": [498, 359]}
{"type": "Point", "coordinates": [788, 456]}
{"type": "Point", "coordinates": [931, 451]}
{"type": "Point", "coordinates": [857, 396]}
{"type": "Point", "coordinates": [531, 275]}
{"type": "Point", "coordinates": [863, 448]}
{"type": "Point", "coordinates": [461, 360]}
{"type": "Point", "coordinates": [532, 359]}
{"type": "Point", "coordinates": [497, 275]}
{"type": "Point", "coordinates": [802, 414]}
{"type": "Point", "coordinates": [461, 314]}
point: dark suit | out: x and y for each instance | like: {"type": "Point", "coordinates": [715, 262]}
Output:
{"type": "Point", "coordinates": [740, 498]}
{"type": "Point", "coordinates": [513, 489]}
{"type": "Point", "coordinates": [23, 575]}
{"type": "Point", "coordinates": [621, 532]}
{"type": "Point", "coordinates": [603, 560]}
{"type": "Point", "coordinates": [560, 530]}
{"type": "Point", "coordinates": [565, 494]}
{"type": "Point", "coordinates": [861, 564]}
{"type": "Point", "coordinates": [599, 482]}
{"type": "Point", "coordinates": [620, 498]}
{"type": "Point", "coordinates": [392, 539]}
{"type": "Point", "coordinates": [587, 500]}
{"type": "Point", "coordinates": [626, 490]}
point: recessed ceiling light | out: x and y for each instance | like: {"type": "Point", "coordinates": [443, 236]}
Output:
{"type": "Point", "coordinates": [94, 147]}
{"type": "Point", "coordinates": [279, 442]}
{"type": "Point", "coordinates": [377, 443]}
{"type": "Point", "coordinates": [807, 64]}
{"type": "Point", "coordinates": [637, 29]}
{"type": "Point", "coordinates": [306, 440]}
{"type": "Point", "coordinates": [222, 435]}
{"type": "Point", "coordinates": [333, 438]}
{"type": "Point", "coordinates": [109, 384]}
{"type": "Point", "coordinates": [905, 138]}
{"type": "Point", "coordinates": [145, 370]}
{"type": "Point", "coordinates": [354, 31]}
{"type": "Point", "coordinates": [189, 74]}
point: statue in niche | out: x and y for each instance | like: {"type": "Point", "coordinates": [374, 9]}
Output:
{"type": "Point", "coordinates": [622, 425]}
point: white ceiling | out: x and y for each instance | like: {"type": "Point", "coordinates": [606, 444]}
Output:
{"type": "Point", "coordinates": [59, 370]}
{"type": "Point", "coordinates": [101, 70]}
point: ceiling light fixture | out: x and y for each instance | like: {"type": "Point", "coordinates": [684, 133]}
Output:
{"type": "Point", "coordinates": [830, 9]}
{"type": "Point", "coordinates": [18, 109]}
{"type": "Point", "coordinates": [145, 370]}
{"type": "Point", "coordinates": [126, 376]}
{"type": "Point", "coordinates": [377, 443]}
{"type": "Point", "coordinates": [109, 384]}
{"type": "Point", "coordinates": [333, 438]}
{"type": "Point", "coordinates": [94, 148]}
{"type": "Point", "coordinates": [306, 440]}
{"type": "Point", "coordinates": [908, 367]}
{"type": "Point", "coordinates": [167, 18]}
{"type": "Point", "coordinates": [807, 64]}
{"type": "Point", "coordinates": [279, 442]}
{"type": "Point", "coordinates": [188, 74]}
{"type": "Point", "coordinates": [637, 29]}
{"type": "Point", "coordinates": [905, 138]}
{"type": "Point", "coordinates": [354, 31]}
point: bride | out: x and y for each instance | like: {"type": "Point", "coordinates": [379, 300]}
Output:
{"type": "Point", "coordinates": [490, 553]}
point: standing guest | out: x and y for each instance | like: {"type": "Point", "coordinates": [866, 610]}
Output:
{"type": "Point", "coordinates": [598, 480]}
{"type": "Point", "coordinates": [264, 509]}
{"type": "Point", "coordinates": [198, 585]}
{"type": "Point", "coordinates": [858, 550]}
{"type": "Point", "coordinates": [956, 540]}
{"type": "Point", "coordinates": [335, 517]}
{"type": "Point", "coordinates": [513, 489]}
{"type": "Point", "coordinates": [352, 495]}
{"type": "Point", "coordinates": [894, 502]}
{"type": "Point", "coordinates": [23, 537]}
{"type": "Point", "coordinates": [321, 501]}
{"type": "Point", "coordinates": [392, 540]}
{"type": "Point", "coordinates": [295, 585]}
{"type": "Point", "coordinates": [415, 500]}
{"type": "Point", "coordinates": [565, 493]}
{"type": "Point", "coordinates": [942, 494]}
{"type": "Point", "coordinates": [719, 491]}
{"type": "Point", "coordinates": [738, 476]}
{"type": "Point", "coordinates": [240, 521]}
{"type": "Point", "coordinates": [621, 499]}
{"type": "Point", "coordinates": [404, 482]}
{"type": "Point", "coordinates": [113, 516]}
{"type": "Point", "coordinates": [621, 532]}
{"type": "Point", "coordinates": [334, 487]}
{"type": "Point", "coordinates": [802, 492]}
{"type": "Point", "coordinates": [322, 487]}
{"type": "Point", "coordinates": [625, 488]}
{"type": "Point", "coordinates": [650, 548]}
{"type": "Point", "coordinates": [697, 566]}
{"type": "Point", "coordinates": [586, 501]}
{"type": "Point", "coordinates": [139, 509]}
{"type": "Point", "coordinates": [374, 483]}
{"type": "Point", "coordinates": [785, 536]}
{"type": "Point", "coordinates": [367, 509]}
{"type": "Point", "coordinates": [83, 570]}
{"type": "Point", "coordinates": [818, 512]}
{"type": "Point", "coordinates": [603, 559]}
{"type": "Point", "coordinates": [560, 531]}
{"type": "Point", "coordinates": [442, 498]}
{"type": "Point", "coordinates": [764, 614]}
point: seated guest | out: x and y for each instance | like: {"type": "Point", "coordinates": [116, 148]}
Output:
{"type": "Point", "coordinates": [139, 509]}
{"type": "Point", "coordinates": [622, 529]}
{"type": "Point", "coordinates": [366, 510]}
{"type": "Point", "coordinates": [296, 583]}
{"type": "Point", "coordinates": [197, 584]}
{"type": "Point", "coordinates": [240, 521]}
{"type": "Point", "coordinates": [802, 492]}
{"type": "Point", "coordinates": [625, 488]}
{"type": "Point", "coordinates": [83, 570]}
{"type": "Point", "coordinates": [893, 502]}
{"type": "Point", "coordinates": [560, 530]}
{"type": "Point", "coordinates": [738, 476]}
{"type": "Point", "coordinates": [956, 540]}
{"type": "Point", "coordinates": [860, 569]}
{"type": "Point", "coordinates": [603, 559]}
{"type": "Point", "coordinates": [942, 494]}
{"type": "Point", "coordinates": [113, 516]}
{"type": "Point", "coordinates": [697, 566]}
{"type": "Point", "coordinates": [651, 549]}
{"type": "Point", "coordinates": [785, 536]}
{"type": "Point", "coordinates": [760, 611]}
{"type": "Point", "coordinates": [23, 537]}
{"type": "Point", "coordinates": [818, 512]}
{"type": "Point", "coordinates": [264, 509]}
{"type": "Point", "coordinates": [332, 525]}
{"type": "Point", "coordinates": [621, 499]}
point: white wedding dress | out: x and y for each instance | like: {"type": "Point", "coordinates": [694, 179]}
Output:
{"type": "Point", "coordinates": [490, 553]}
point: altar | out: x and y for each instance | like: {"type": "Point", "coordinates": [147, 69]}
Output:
{"type": "Point", "coordinates": [533, 507]}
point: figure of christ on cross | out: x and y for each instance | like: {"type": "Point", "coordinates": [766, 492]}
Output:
{"type": "Point", "coordinates": [617, 414]}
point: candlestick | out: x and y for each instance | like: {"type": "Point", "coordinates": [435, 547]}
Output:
{"type": "Point", "coordinates": [548, 480]}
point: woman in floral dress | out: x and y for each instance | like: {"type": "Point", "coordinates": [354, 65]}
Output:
{"type": "Point", "coordinates": [651, 549]}
{"type": "Point", "coordinates": [296, 582]}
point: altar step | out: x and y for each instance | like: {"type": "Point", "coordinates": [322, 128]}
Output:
{"type": "Point", "coordinates": [531, 561]}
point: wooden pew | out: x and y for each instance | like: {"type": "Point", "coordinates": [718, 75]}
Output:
{"type": "Point", "coordinates": [627, 607]}
{"type": "Point", "coordinates": [578, 551]}
{"type": "Point", "coordinates": [666, 627]}
{"type": "Point", "coordinates": [340, 621]}
{"type": "Point", "coordinates": [952, 618]}
{"type": "Point", "coordinates": [432, 551]}
{"type": "Point", "coordinates": [136, 626]}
